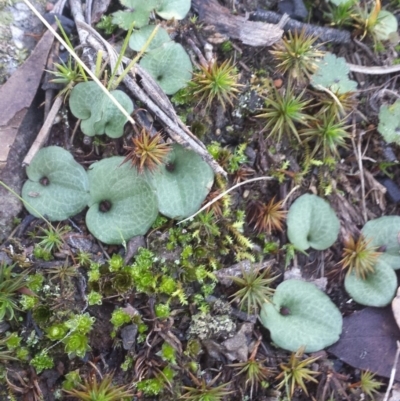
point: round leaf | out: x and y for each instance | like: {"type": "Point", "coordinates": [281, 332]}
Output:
{"type": "Point", "coordinates": [377, 289]}
{"type": "Point", "coordinates": [182, 183]}
{"type": "Point", "coordinates": [312, 223]}
{"type": "Point", "coordinates": [389, 122]}
{"type": "Point", "coordinates": [99, 115]}
{"type": "Point", "coordinates": [57, 187]}
{"type": "Point", "coordinates": [384, 234]}
{"type": "Point", "coordinates": [332, 73]}
{"type": "Point", "coordinates": [122, 203]}
{"type": "Point", "coordinates": [138, 12]}
{"type": "Point", "coordinates": [385, 26]}
{"type": "Point", "coordinates": [169, 65]}
{"type": "Point", "coordinates": [301, 315]}
{"type": "Point", "coordinates": [139, 38]}
{"type": "Point", "coordinates": [177, 9]}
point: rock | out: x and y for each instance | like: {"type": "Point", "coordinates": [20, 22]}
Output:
{"type": "Point", "coordinates": [128, 335]}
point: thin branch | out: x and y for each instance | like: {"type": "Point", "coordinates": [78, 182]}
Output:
{"type": "Point", "coordinates": [225, 193]}
{"type": "Point", "coordinates": [393, 373]}
{"type": "Point", "coordinates": [358, 154]}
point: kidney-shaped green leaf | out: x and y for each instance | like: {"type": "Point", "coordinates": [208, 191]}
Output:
{"type": "Point", "coordinates": [301, 315]}
{"type": "Point", "coordinates": [99, 115]}
{"type": "Point", "coordinates": [332, 73]}
{"type": "Point", "coordinates": [389, 122]}
{"type": "Point", "coordinates": [312, 223]}
{"type": "Point", "coordinates": [140, 37]}
{"type": "Point", "coordinates": [138, 13]}
{"type": "Point", "coordinates": [177, 9]}
{"type": "Point", "coordinates": [377, 289]}
{"type": "Point", "coordinates": [384, 234]}
{"type": "Point", "coordinates": [169, 65]}
{"type": "Point", "coordinates": [385, 26]}
{"type": "Point", "coordinates": [122, 203]}
{"type": "Point", "coordinates": [182, 183]}
{"type": "Point", "coordinates": [57, 187]}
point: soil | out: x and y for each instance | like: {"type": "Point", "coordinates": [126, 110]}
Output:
{"type": "Point", "coordinates": [206, 333]}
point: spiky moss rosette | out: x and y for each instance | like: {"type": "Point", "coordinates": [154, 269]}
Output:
{"type": "Point", "coordinates": [384, 234]}
{"type": "Point", "coordinates": [97, 112]}
{"type": "Point", "coordinates": [122, 203]}
{"type": "Point", "coordinates": [58, 187]}
{"type": "Point", "coordinates": [182, 183]}
{"type": "Point", "coordinates": [301, 315]}
{"type": "Point", "coordinates": [377, 289]}
{"type": "Point", "coordinates": [312, 223]}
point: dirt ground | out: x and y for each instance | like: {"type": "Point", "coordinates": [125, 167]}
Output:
{"type": "Point", "coordinates": [169, 322]}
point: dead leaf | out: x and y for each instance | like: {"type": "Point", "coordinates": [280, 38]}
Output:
{"type": "Point", "coordinates": [237, 27]}
{"type": "Point", "coordinates": [368, 341]}
{"type": "Point", "coordinates": [17, 94]}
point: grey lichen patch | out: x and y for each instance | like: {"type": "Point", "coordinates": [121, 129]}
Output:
{"type": "Point", "coordinates": [215, 327]}
{"type": "Point", "coordinates": [221, 307]}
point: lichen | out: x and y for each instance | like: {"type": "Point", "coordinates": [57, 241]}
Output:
{"type": "Point", "coordinates": [207, 326]}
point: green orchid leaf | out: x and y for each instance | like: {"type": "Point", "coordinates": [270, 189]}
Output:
{"type": "Point", "coordinates": [97, 112]}
{"type": "Point", "coordinates": [138, 13]}
{"type": "Point", "coordinates": [169, 65]}
{"type": "Point", "coordinates": [384, 234]}
{"type": "Point", "coordinates": [332, 74]}
{"type": "Point", "coordinates": [311, 222]}
{"type": "Point", "coordinates": [301, 315]}
{"type": "Point", "coordinates": [58, 186]}
{"type": "Point", "coordinates": [122, 203]}
{"type": "Point", "coordinates": [176, 9]}
{"type": "Point", "coordinates": [378, 289]}
{"type": "Point", "coordinates": [389, 122]}
{"type": "Point", "coordinates": [182, 183]}
{"type": "Point", "coordinates": [140, 37]}
{"type": "Point", "coordinates": [385, 26]}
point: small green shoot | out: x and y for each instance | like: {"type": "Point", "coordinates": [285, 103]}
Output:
{"type": "Point", "coordinates": [10, 284]}
{"type": "Point", "coordinates": [215, 82]}
{"type": "Point", "coordinates": [255, 289]}
{"type": "Point", "coordinates": [283, 111]}
{"type": "Point", "coordinates": [296, 372]}
{"type": "Point", "coordinates": [297, 55]}
{"type": "Point", "coordinates": [367, 384]}
{"type": "Point", "coordinates": [205, 391]}
{"type": "Point", "coordinates": [52, 240]}
{"type": "Point", "coordinates": [93, 389]}
{"type": "Point", "coordinates": [328, 134]}
{"type": "Point", "coordinates": [359, 256]}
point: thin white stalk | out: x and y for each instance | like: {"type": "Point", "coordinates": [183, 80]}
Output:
{"type": "Point", "coordinates": [393, 373]}
{"type": "Point", "coordinates": [80, 62]}
{"type": "Point", "coordinates": [224, 193]}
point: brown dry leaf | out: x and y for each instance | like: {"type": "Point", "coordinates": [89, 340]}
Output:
{"type": "Point", "coordinates": [17, 94]}
{"type": "Point", "coordinates": [172, 340]}
{"type": "Point", "coordinates": [296, 274]}
{"type": "Point", "coordinates": [368, 341]}
{"type": "Point", "coordinates": [350, 215]}
{"type": "Point", "coordinates": [237, 27]}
